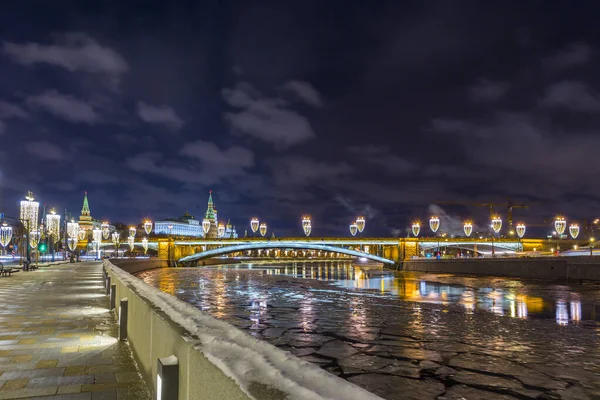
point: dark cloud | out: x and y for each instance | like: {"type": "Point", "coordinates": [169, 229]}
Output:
{"type": "Point", "coordinates": [573, 55]}
{"type": "Point", "coordinates": [305, 92]}
{"type": "Point", "coordinates": [381, 156]}
{"type": "Point", "coordinates": [64, 106]}
{"type": "Point", "coordinates": [486, 90]}
{"type": "Point", "coordinates": [72, 51]}
{"type": "Point", "coordinates": [269, 119]}
{"type": "Point", "coordinates": [45, 150]}
{"type": "Point", "coordinates": [161, 115]}
{"type": "Point", "coordinates": [572, 95]}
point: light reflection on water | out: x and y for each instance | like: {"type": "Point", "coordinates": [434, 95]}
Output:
{"type": "Point", "coordinates": [518, 300]}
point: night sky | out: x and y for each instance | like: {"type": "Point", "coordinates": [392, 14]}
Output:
{"type": "Point", "coordinates": [327, 108]}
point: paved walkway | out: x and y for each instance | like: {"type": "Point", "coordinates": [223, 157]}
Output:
{"type": "Point", "coordinates": [58, 340]}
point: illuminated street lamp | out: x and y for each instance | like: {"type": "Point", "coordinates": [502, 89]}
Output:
{"type": "Point", "coordinates": [132, 231]}
{"type": "Point", "coordinates": [520, 228]}
{"type": "Point", "coordinates": [145, 244]}
{"type": "Point", "coordinates": [206, 225]}
{"type": "Point", "coordinates": [496, 226]}
{"type": "Point", "coordinates": [307, 225]}
{"type": "Point", "coordinates": [574, 230]}
{"type": "Point", "coordinates": [560, 225]}
{"type": "Point", "coordinates": [34, 238]}
{"type": "Point", "coordinates": [82, 233]}
{"type": "Point", "coordinates": [105, 230]}
{"type": "Point", "coordinates": [148, 226]}
{"type": "Point", "coordinates": [434, 224]}
{"type": "Point", "coordinates": [416, 228]}
{"type": "Point", "coordinates": [115, 239]}
{"type": "Point", "coordinates": [53, 229]}
{"type": "Point", "coordinates": [97, 237]}
{"type": "Point", "coordinates": [221, 230]}
{"type": "Point", "coordinates": [592, 241]}
{"type": "Point", "coordinates": [353, 229]}
{"type": "Point", "coordinates": [6, 233]}
{"type": "Point", "coordinates": [72, 243]}
{"type": "Point", "coordinates": [262, 229]}
{"type": "Point", "coordinates": [254, 224]}
{"type": "Point", "coordinates": [131, 242]}
{"type": "Point", "coordinates": [496, 223]}
{"type": "Point", "coordinates": [468, 228]}
{"type": "Point", "coordinates": [360, 224]}
{"type": "Point", "coordinates": [72, 229]}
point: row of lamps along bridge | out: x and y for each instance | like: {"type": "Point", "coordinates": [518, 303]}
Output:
{"type": "Point", "coordinates": [560, 225]}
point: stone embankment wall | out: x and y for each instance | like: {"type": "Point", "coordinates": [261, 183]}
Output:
{"type": "Point", "coordinates": [215, 360]}
{"type": "Point", "coordinates": [559, 268]}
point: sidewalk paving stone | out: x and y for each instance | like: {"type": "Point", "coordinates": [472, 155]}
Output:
{"type": "Point", "coordinates": [59, 340]}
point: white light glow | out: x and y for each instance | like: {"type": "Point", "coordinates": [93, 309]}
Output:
{"type": "Point", "coordinates": [434, 224]}
{"type": "Point", "coordinates": [34, 238]}
{"type": "Point", "coordinates": [254, 224]}
{"type": "Point", "coordinates": [221, 230]}
{"type": "Point", "coordinates": [105, 230]}
{"type": "Point", "coordinates": [574, 230]}
{"type": "Point", "coordinates": [263, 229]}
{"type": "Point", "coordinates": [132, 231]}
{"type": "Point", "coordinates": [82, 233]}
{"type": "Point", "coordinates": [353, 229]}
{"type": "Point", "coordinates": [130, 242]}
{"type": "Point", "coordinates": [72, 230]}
{"type": "Point", "coordinates": [53, 226]}
{"type": "Point", "coordinates": [560, 225]}
{"type": "Point", "coordinates": [520, 228]}
{"type": "Point", "coordinates": [416, 229]}
{"type": "Point", "coordinates": [148, 227]}
{"type": "Point", "coordinates": [307, 225]}
{"type": "Point", "coordinates": [468, 228]}
{"type": "Point", "coordinates": [97, 235]}
{"type": "Point", "coordinates": [145, 244]}
{"type": "Point", "coordinates": [360, 224]}
{"type": "Point", "coordinates": [72, 243]}
{"type": "Point", "coordinates": [206, 225]}
{"type": "Point", "coordinates": [29, 212]}
{"type": "Point", "coordinates": [6, 233]}
{"type": "Point", "coordinates": [496, 223]}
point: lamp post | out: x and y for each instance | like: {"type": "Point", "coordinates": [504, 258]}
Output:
{"type": "Point", "coordinates": [496, 226]}
{"type": "Point", "coordinates": [53, 229]}
{"type": "Point", "coordinates": [434, 225]}
{"type": "Point", "coordinates": [520, 228]}
{"type": "Point", "coordinates": [416, 228]}
{"type": "Point", "coordinates": [145, 245]}
{"type": "Point", "coordinates": [6, 233]}
{"type": "Point", "coordinates": [97, 236]}
{"type": "Point", "coordinates": [574, 230]}
{"type": "Point", "coordinates": [115, 238]}
{"type": "Point", "coordinates": [353, 229]}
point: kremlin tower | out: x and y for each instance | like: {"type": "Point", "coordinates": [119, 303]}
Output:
{"type": "Point", "coordinates": [211, 215]}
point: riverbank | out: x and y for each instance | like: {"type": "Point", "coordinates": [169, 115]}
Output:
{"type": "Point", "coordinates": [555, 268]}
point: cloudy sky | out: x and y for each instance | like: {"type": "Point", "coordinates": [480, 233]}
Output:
{"type": "Point", "coordinates": [331, 109]}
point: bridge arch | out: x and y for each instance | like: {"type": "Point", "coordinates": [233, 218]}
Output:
{"type": "Point", "coordinates": [277, 245]}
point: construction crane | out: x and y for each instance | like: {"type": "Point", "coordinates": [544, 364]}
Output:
{"type": "Point", "coordinates": [510, 206]}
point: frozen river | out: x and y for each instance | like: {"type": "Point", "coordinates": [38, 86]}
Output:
{"type": "Point", "coordinates": [411, 336]}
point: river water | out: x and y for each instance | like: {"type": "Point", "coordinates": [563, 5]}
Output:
{"type": "Point", "coordinates": [409, 335]}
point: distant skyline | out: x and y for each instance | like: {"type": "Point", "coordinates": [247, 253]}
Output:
{"type": "Point", "coordinates": [333, 109]}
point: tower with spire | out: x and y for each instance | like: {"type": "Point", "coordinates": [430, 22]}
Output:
{"type": "Point", "coordinates": [85, 219]}
{"type": "Point", "coordinates": [211, 215]}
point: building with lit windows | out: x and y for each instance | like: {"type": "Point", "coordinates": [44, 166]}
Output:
{"type": "Point", "coordinates": [185, 225]}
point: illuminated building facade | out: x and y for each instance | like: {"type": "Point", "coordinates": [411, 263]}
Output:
{"type": "Point", "coordinates": [183, 226]}
{"type": "Point", "coordinates": [29, 212]}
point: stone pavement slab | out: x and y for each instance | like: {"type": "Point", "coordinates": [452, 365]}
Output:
{"type": "Point", "coordinates": [58, 340]}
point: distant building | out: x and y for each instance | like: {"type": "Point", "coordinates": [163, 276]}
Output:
{"type": "Point", "coordinates": [186, 225]}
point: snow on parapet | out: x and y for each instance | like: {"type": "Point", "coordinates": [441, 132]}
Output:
{"type": "Point", "coordinates": [244, 358]}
